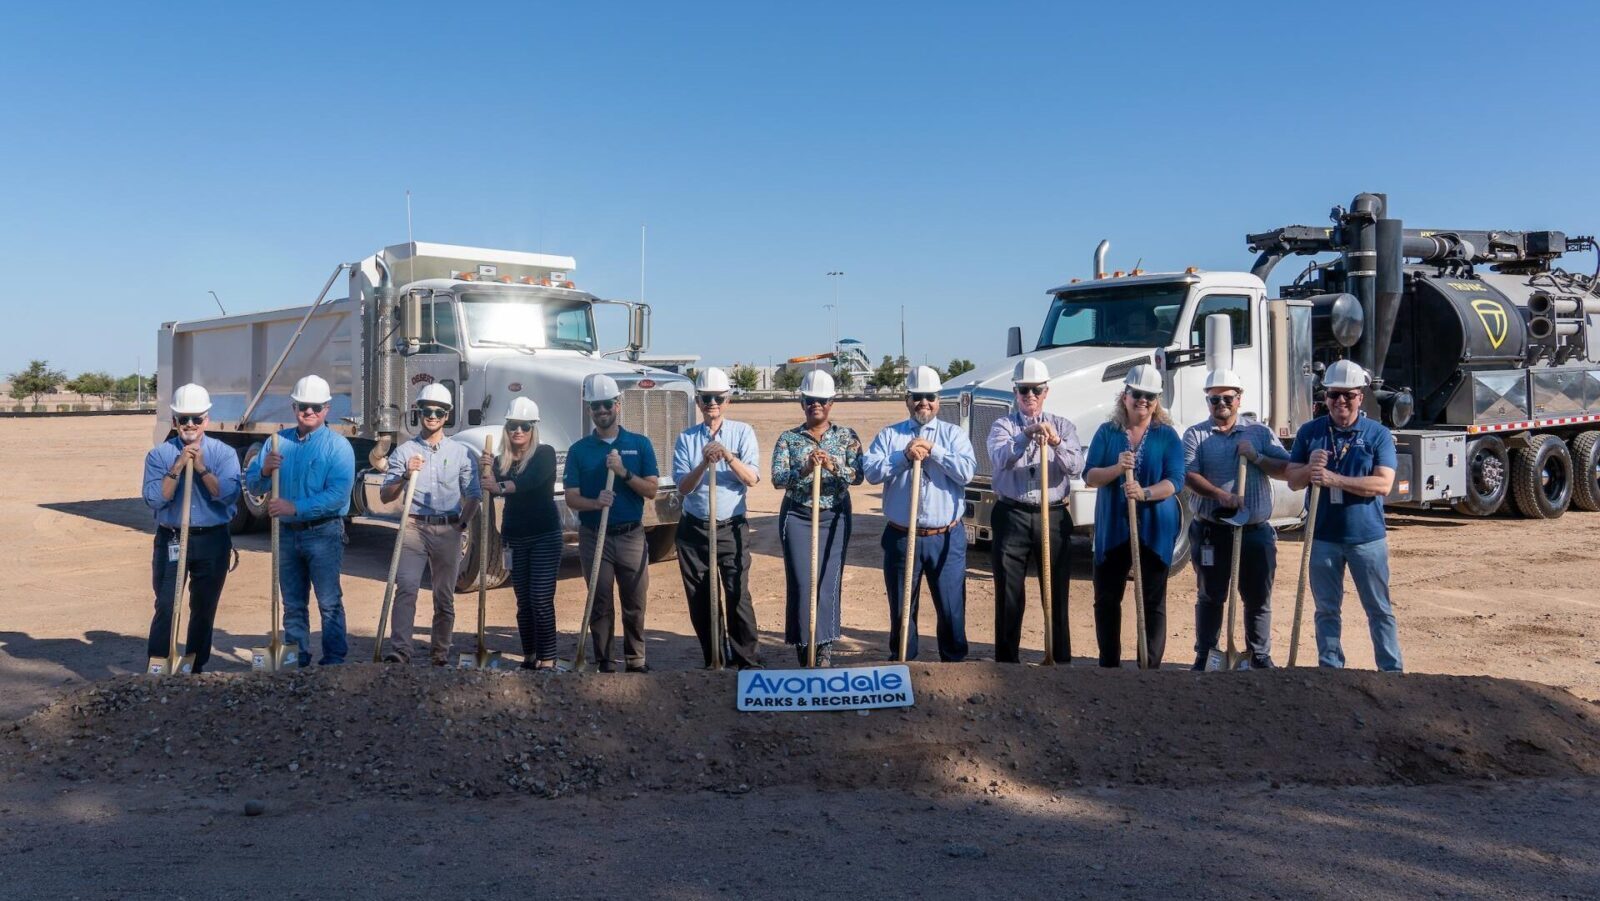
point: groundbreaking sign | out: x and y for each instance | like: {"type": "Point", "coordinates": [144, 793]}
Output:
{"type": "Point", "coordinates": [849, 688]}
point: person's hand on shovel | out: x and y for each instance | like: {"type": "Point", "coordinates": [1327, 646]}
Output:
{"type": "Point", "coordinates": [1319, 468]}
{"type": "Point", "coordinates": [818, 457]}
{"type": "Point", "coordinates": [1133, 490]}
{"type": "Point", "coordinates": [918, 449]}
{"type": "Point", "coordinates": [605, 498]}
{"type": "Point", "coordinates": [1126, 459]}
{"type": "Point", "coordinates": [614, 463]}
{"type": "Point", "coordinates": [280, 507]}
{"type": "Point", "coordinates": [270, 463]}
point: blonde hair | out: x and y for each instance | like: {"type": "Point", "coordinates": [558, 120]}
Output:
{"type": "Point", "coordinates": [1119, 412]}
{"type": "Point", "coordinates": [507, 465]}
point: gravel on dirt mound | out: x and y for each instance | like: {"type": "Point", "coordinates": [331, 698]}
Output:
{"type": "Point", "coordinates": [361, 731]}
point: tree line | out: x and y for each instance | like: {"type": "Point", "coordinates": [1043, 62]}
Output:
{"type": "Point", "coordinates": [38, 379]}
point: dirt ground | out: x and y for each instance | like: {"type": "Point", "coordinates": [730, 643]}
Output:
{"type": "Point", "coordinates": [1041, 783]}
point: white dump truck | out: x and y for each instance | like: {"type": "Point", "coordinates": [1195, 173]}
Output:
{"type": "Point", "coordinates": [487, 324]}
{"type": "Point", "coordinates": [1479, 345]}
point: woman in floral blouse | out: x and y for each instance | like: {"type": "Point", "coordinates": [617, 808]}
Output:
{"type": "Point", "coordinates": [795, 458]}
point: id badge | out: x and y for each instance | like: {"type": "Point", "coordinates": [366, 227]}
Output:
{"type": "Point", "coordinates": [506, 558]}
{"type": "Point", "coordinates": [172, 552]}
{"type": "Point", "coordinates": [1335, 495]}
{"type": "Point", "coordinates": [1208, 555]}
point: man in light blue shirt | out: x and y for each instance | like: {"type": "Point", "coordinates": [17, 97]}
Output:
{"type": "Point", "coordinates": [948, 464]}
{"type": "Point", "coordinates": [318, 472]}
{"type": "Point", "coordinates": [214, 496]}
{"type": "Point", "coordinates": [730, 447]}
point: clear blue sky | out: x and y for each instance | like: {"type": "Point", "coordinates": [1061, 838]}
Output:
{"type": "Point", "coordinates": [958, 160]}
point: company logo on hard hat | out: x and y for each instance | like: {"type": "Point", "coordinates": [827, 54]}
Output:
{"type": "Point", "coordinates": [1494, 319]}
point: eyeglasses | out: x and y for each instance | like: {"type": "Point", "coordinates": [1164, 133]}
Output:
{"type": "Point", "coordinates": [596, 406]}
{"type": "Point", "coordinates": [1145, 396]}
{"type": "Point", "coordinates": [1348, 396]}
{"type": "Point", "coordinates": [308, 408]}
{"type": "Point", "coordinates": [711, 400]}
{"type": "Point", "coordinates": [189, 420]}
{"type": "Point", "coordinates": [1222, 400]}
{"type": "Point", "coordinates": [1035, 390]}
{"type": "Point", "coordinates": [433, 412]}
{"type": "Point", "coordinates": [519, 426]}
{"type": "Point", "coordinates": [919, 397]}
{"type": "Point", "coordinates": [806, 401]}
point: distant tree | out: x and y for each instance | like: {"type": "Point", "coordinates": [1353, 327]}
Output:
{"type": "Point", "coordinates": [94, 384]}
{"type": "Point", "coordinates": [787, 379]}
{"type": "Point", "coordinates": [891, 373]}
{"type": "Point", "coordinates": [744, 377]}
{"type": "Point", "coordinates": [691, 372]}
{"type": "Point", "coordinates": [957, 366]}
{"type": "Point", "coordinates": [36, 381]}
{"type": "Point", "coordinates": [844, 378]}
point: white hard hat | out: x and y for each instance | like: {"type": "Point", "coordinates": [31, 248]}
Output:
{"type": "Point", "coordinates": [1030, 371]}
{"type": "Point", "coordinates": [435, 393]}
{"type": "Point", "coordinates": [191, 399]}
{"type": "Point", "coordinates": [1345, 374]}
{"type": "Point", "coordinates": [313, 389]}
{"type": "Point", "coordinates": [600, 387]}
{"type": "Point", "coordinates": [713, 381]}
{"type": "Point", "coordinates": [818, 383]}
{"type": "Point", "coordinates": [1144, 377]}
{"type": "Point", "coordinates": [923, 380]}
{"type": "Point", "coordinates": [522, 410]}
{"type": "Point", "coordinates": [1223, 378]}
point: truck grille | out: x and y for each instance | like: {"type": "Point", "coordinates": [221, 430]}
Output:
{"type": "Point", "coordinates": [657, 415]}
{"type": "Point", "coordinates": [984, 415]}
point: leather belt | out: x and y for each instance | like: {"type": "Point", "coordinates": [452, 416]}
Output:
{"type": "Point", "coordinates": [442, 519]}
{"type": "Point", "coordinates": [702, 523]}
{"type": "Point", "coordinates": [1024, 505]}
{"type": "Point", "coordinates": [196, 530]}
{"type": "Point", "coordinates": [924, 533]}
{"type": "Point", "coordinates": [308, 524]}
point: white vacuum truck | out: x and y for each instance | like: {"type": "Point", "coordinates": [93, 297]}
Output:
{"type": "Point", "coordinates": [1480, 347]}
{"type": "Point", "coordinates": [489, 325]}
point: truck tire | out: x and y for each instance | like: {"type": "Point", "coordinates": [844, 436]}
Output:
{"type": "Point", "coordinates": [1586, 471]}
{"type": "Point", "coordinates": [251, 514]}
{"type": "Point", "coordinates": [1488, 477]}
{"type": "Point", "coordinates": [1181, 548]}
{"type": "Point", "coordinates": [661, 542]}
{"type": "Point", "coordinates": [467, 577]}
{"type": "Point", "coordinates": [1541, 478]}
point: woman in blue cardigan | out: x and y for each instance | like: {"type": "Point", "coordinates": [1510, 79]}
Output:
{"type": "Point", "coordinates": [1139, 439]}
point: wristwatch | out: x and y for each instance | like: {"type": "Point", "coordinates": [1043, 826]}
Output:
{"type": "Point", "coordinates": [1147, 494]}
{"type": "Point", "coordinates": [626, 477]}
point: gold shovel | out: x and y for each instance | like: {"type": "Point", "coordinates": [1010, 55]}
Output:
{"type": "Point", "coordinates": [394, 566]}
{"type": "Point", "coordinates": [483, 658]}
{"type": "Point", "coordinates": [1231, 659]}
{"type": "Point", "coordinates": [158, 666]}
{"type": "Point", "coordinates": [1305, 570]}
{"type": "Point", "coordinates": [275, 656]}
{"type": "Point", "coordinates": [911, 559]}
{"type": "Point", "coordinates": [816, 519]}
{"type": "Point", "coordinates": [1044, 554]}
{"type": "Point", "coordinates": [717, 660]}
{"type": "Point", "coordinates": [579, 659]}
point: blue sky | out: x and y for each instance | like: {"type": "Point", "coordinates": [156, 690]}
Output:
{"type": "Point", "coordinates": [954, 159]}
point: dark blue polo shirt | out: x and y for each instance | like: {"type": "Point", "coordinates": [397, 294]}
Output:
{"type": "Point", "coordinates": [586, 472]}
{"type": "Point", "coordinates": [1355, 451]}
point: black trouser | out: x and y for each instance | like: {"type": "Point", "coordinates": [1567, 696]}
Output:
{"type": "Point", "coordinates": [733, 565]}
{"type": "Point", "coordinates": [1016, 542]}
{"type": "Point", "coordinates": [210, 552]}
{"type": "Point", "coordinates": [1258, 564]}
{"type": "Point", "coordinates": [1110, 581]}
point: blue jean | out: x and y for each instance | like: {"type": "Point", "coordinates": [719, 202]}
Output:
{"type": "Point", "coordinates": [312, 557]}
{"type": "Point", "coordinates": [1369, 569]}
{"type": "Point", "coordinates": [943, 558]}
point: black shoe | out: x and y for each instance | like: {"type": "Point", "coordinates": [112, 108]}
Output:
{"type": "Point", "coordinates": [393, 658]}
{"type": "Point", "coordinates": [744, 666]}
{"type": "Point", "coordinates": [606, 666]}
{"type": "Point", "coordinates": [800, 653]}
{"type": "Point", "coordinates": [1262, 661]}
{"type": "Point", "coordinates": [825, 654]}
{"type": "Point", "coordinates": [641, 668]}
{"type": "Point", "coordinates": [1200, 663]}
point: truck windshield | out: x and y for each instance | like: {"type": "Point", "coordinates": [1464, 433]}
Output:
{"type": "Point", "coordinates": [494, 318]}
{"type": "Point", "coordinates": [1121, 316]}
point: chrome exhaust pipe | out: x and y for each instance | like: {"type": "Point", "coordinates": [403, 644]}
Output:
{"type": "Point", "coordinates": [1100, 258]}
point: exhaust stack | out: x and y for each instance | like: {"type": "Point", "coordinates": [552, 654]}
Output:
{"type": "Point", "coordinates": [1100, 258]}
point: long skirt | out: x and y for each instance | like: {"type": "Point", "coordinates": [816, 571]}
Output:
{"type": "Point", "coordinates": [794, 531]}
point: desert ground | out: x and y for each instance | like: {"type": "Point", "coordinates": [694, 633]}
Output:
{"type": "Point", "coordinates": [1475, 774]}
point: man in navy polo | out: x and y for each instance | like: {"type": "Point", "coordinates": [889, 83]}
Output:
{"type": "Point", "coordinates": [1352, 459]}
{"type": "Point", "coordinates": [211, 507]}
{"type": "Point", "coordinates": [625, 558]}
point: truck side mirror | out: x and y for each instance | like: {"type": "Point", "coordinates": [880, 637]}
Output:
{"type": "Point", "coordinates": [1014, 341]}
{"type": "Point", "coordinates": [639, 328]}
{"type": "Point", "coordinates": [411, 320]}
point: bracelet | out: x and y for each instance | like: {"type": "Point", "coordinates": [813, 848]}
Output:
{"type": "Point", "coordinates": [170, 475]}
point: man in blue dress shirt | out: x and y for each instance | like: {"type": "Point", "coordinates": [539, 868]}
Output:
{"type": "Point", "coordinates": [215, 493]}
{"type": "Point", "coordinates": [319, 469]}
{"type": "Point", "coordinates": [948, 463]}
{"type": "Point", "coordinates": [731, 447]}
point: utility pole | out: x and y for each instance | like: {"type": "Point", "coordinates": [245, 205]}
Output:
{"type": "Point", "coordinates": [903, 339]}
{"type": "Point", "coordinates": [836, 275]}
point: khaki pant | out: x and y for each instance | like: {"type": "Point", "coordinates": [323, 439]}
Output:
{"type": "Point", "coordinates": [438, 547]}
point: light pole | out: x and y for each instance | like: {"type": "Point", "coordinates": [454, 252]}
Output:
{"type": "Point", "coordinates": [836, 275]}
{"type": "Point", "coordinates": [833, 312]}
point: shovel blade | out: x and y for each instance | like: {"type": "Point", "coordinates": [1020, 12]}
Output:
{"type": "Point", "coordinates": [157, 666]}
{"type": "Point", "coordinates": [487, 660]}
{"type": "Point", "coordinates": [1216, 661]}
{"type": "Point", "coordinates": [261, 660]}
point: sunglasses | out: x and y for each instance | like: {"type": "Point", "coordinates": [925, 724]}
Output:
{"type": "Point", "coordinates": [1222, 400]}
{"type": "Point", "coordinates": [921, 398]}
{"type": "Point", "coordinates": [1145, 396]}
{"type": "Point", "coordinates": [710, 400]}
{"type": "Point", "coordinates": [598, 405]}
{"type": "Point", "coordinates": [433, 412]}
{"type": "Point", "coordinates": [1035, 390]}
{"type": "Point", "coordinates": [814, 401]}
{"type": "Point", "coordinates": [189, 420]}
{"type": "Point", "coordinates": [1343, 395]}
{"type": "Point", "coordinates": [519, 426]}
{"type": "Point", "coordinates": [308, 408]}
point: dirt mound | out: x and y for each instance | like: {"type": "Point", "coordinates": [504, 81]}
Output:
{"type": "Point", "coordinates": [393, 731]}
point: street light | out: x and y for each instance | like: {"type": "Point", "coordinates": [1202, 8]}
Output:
{"type": "Point", "coordinates": [835, 275]}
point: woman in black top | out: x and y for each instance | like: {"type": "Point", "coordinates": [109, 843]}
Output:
{"type": "Point", "coordinates": [525, 477]}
